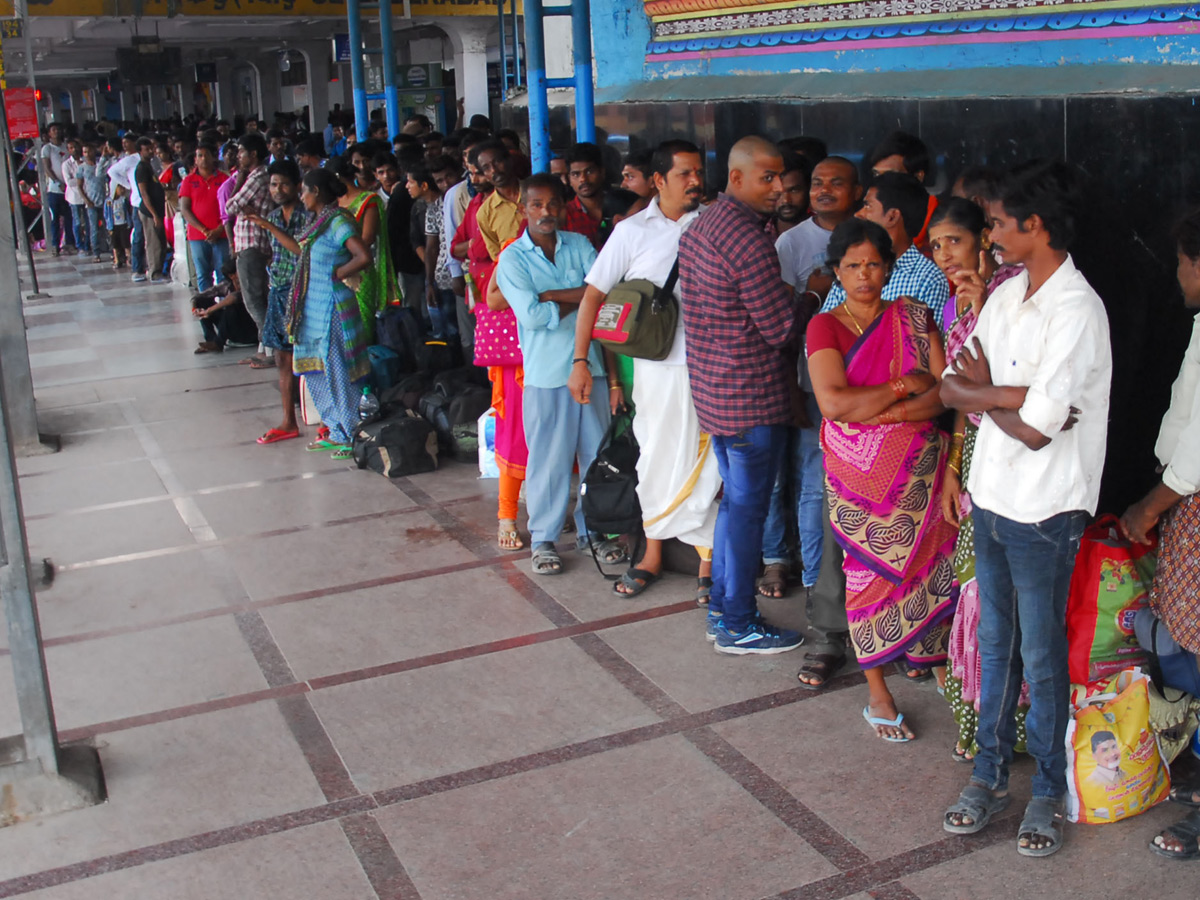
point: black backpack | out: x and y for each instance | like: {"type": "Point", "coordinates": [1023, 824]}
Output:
{"type": "Point", "coordinates": [400, 329]}
{"type": "Point", "coordinates": [608, 491]}
{"type": "Point", "coordinates": [395, 445]}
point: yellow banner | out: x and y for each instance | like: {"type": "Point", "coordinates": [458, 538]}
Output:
{"type": "Point", "coordinates": [243, 8]}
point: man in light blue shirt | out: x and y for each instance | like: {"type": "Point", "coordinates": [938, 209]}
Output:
{"type": "Point", "coordinates": [897, 202]}
{"type": "Point", "coordinates": [541, 276]}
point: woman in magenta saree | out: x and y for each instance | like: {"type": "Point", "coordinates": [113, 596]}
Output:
{"type": "Point", "coordinates": [873, 368]}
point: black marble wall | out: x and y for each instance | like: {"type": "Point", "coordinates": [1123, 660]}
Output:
{"type": "Point", "coordinates": [1135, 156]}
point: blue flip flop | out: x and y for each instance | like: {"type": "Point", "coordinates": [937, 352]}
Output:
{"type": "Point", "coordinates": [874, 721]}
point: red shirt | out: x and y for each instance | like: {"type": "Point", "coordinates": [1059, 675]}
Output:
{"type": "Point", "coordinates": [580, 221]}
{"type": "Point", "coordinates": [479, 261]}
{"type": "Point", "coordinates": [203, 194]}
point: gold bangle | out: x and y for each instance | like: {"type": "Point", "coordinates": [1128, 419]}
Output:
{"type": "Point", "coordinates": [614, 387]}
{"type": "Point", "coordinates": [954, 469]}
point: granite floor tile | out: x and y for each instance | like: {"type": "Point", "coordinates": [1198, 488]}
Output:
{"type": "Point", "coordinates": [823, 753]}
{"type": "Point", "coordinates": [101, 534]}
{"type": "Point", "coordinates": [315, 861]}
{"type": "Point", "coordinates": [74, 488]}
{"type": "Point", "coordinates": [656, 820]}
{"type": "Point", "coordinates": [172, 780]}
{"type": "Point", "coordinates": [132, 674]}
{"type": "Point", "coordinates": [376, 626]}
{"type": "Point", "coordinates": [415, 725]}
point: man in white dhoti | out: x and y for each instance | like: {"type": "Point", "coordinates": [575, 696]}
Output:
{"type": "Point", "coordinates": [677, 471]}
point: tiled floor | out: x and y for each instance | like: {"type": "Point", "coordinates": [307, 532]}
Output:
{"type": "Point", "coordinates": [305, 681]}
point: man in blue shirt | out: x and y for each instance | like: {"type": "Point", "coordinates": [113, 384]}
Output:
{"type": "Point", "coordinates": [897, 203]}
{"type": "Point", "coordinates": [541, 277]}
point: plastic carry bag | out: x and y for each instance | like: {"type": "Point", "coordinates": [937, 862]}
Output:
{"type": "Point", "coordinates": [1114, 769]}
{"type": "Point", "coordinates": [487, 445]}
{"type": "Point", "coordinates": [1111, 582]}
{"type": "Point", "coordinates": [308, 409]}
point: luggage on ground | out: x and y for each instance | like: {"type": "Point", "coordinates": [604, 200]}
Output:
{"type": "Point", "coordinates": [395, 445]}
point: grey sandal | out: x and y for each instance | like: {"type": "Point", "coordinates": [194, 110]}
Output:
{"type": "Point", "coordinates": [611, 553]}
{"type": "Point", "coordinates": [977, 803]}
{"type": "Point", "coordinates": [546, 561]}
{"type": "Point", "coordinates": [1043, 818]}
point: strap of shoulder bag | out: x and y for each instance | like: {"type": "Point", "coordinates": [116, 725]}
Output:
{"type": "Point", "coordinates": [668, 288]}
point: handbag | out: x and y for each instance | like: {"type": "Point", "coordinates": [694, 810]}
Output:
{"type": "Point", "coordinates": [638, 318]}
{"type": "Point", "coordinates": [496, 341]}
{"type": "Point", "coordinates": [608, 490]}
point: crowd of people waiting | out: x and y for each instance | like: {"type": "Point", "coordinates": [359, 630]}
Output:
{"type": "Point", "coordinates": [909, 393]}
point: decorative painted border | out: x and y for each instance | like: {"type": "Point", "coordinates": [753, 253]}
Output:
{"type": "Point", "coordinates": [975, 30]}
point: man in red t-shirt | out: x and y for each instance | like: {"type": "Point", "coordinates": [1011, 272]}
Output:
{"type": "Point", "coordinates": [208, 244]}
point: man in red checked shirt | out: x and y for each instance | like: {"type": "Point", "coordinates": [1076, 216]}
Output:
{"type": "Point", "coordinates": [597, 207]}
{"type": "Point", "coordinates": [739, 319]}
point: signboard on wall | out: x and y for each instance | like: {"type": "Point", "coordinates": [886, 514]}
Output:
{"type": "Point", "coordinates": [242, 8]}
{"type": "Point", "coordinates": [20, 107]}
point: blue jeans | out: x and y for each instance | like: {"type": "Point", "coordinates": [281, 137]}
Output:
{"type": "Point", "coordinates": [137, 245]}
{"type": "Point", "coordinates": [444, 318]}
{"type": "Point", "coordinates": [79, 226]}
{"type": "Point", "coordinates": [60, 219]}
{"type": "Point", "coordinates": [808, 485]}
{"type": "Point", "coordinates": [747, 463]}
{"type": "Point", "coordinates": [1024, 572]}
{"type": "Point", "coordinates": [95, 222]}
{"type": "Point", "coordinates": [208, 258]}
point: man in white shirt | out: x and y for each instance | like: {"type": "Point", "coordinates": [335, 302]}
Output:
{"type": "Point", "coordinates": [677, 470]}
{"type": "Point", "coordinates": [54, 154]}
{"type": "Point", "coordinates": [121, 174]}
{"type": "Point", "coordinates": [1041, 372]}
{"type": "Point", "coordinates": [74, 196]}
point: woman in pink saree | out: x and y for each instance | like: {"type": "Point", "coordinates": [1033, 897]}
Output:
{"type": "Point", "coordinates": [875, 368]}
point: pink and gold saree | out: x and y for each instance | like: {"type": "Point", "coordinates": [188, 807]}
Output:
{"type": "Point", "coordinates": [885, 485]}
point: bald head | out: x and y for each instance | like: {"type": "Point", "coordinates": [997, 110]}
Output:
{"type": "Point", "coordinates": [743, 154]}
{"type": "Point", "coordinates": [755, 170]}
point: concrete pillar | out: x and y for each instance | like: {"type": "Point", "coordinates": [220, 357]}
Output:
{"type": "Point", "coordinates": [317, 54]}
{"type": "Point", "coordinates": [269, 87]}
{"type": "Point", "coordinates": [469, 38]}
{"type": "Point", "coordinates": [225, 88]}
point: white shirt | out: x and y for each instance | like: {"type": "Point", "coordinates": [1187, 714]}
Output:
{"type": "Point", "coordinates": [645, 245]}
{"type": "Point", "coordinates": [802, 249]}
{"type": "Point", "coordinates": [54, 156]}
{"type": "Point", "coordinates": [1055, 343]}
{"type": "Point", "coordinates": [70, 170]}
{"type": "Point", "coordinates": [121, 173]}
{"type": "Point", "coordinates": [1178, 447]}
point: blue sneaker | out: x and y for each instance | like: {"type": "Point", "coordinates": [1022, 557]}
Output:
{"type": "Point", "coordinates": [710, 630]}
{"type": "Point", "coordinates": [1196, 745]}
{"type": "Point", "coordinates": [759, 638]}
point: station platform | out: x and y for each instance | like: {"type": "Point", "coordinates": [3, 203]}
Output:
{"type": "Point", "coordinates": [307, 681]}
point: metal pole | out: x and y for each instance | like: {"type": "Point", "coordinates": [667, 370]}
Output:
{"type": "Point", "coordinates": [24, 633]}
{"type": "Point", "coordinates": [581, 42]}
{"type": "Point", "coordinates": [535, 73]}
{"type": "Point", "coordinates": [516, 44]}
{"type": "Point", "coordinates": [503, 54]}
{"type": "Point", "coordinates": [358, 80]}
{"type": "Point", "coordinates": [391, 97]}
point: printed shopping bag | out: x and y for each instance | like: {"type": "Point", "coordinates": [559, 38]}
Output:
{"type": "Point", "coordinates": [1111, 582]}
{"type": "Point", "coordinates": [1114, 769]}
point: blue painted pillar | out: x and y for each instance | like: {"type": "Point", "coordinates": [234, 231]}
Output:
{"type": "Point", "coordinates": [581, 42]}
{"type": "Point", "coordinates": [357, 76]}
{"type": "Point", "coordinates": [503, 53]}
{"type": "Point", "coordinates": [535, 78]}
{"type": "Point", "coordinates": [387, 52]}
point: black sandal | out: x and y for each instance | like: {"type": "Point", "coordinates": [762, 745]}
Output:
{"type": "Point", "coordinates": [775, 580]}
{"type": "Point", "coordinates": [978, 804]}
{"type": "Point", "coordinates": [819, 665]}
{"type": "Point", "coordinates": [1187, 831]}
{"type": "Point", "coordinates": [1044, 818]}
{"type": "Point", "coordinates": [703, 589]}
{"type": "Point", "coordinates": [1184, 795]}
{"type": "Point", "coordinates": [635, 580]}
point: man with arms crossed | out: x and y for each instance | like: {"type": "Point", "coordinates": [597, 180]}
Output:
{"type": "Point", "coordinates": [1040, 370]}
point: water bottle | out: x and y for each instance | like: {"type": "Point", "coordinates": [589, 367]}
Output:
{"type": "Point", "coordinates": [368, 405]}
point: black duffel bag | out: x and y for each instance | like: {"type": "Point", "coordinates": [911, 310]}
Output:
{"type": "Point", "coordinates": [396, 445]}
{"type": "Point", "coordinates": [608, 491]}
